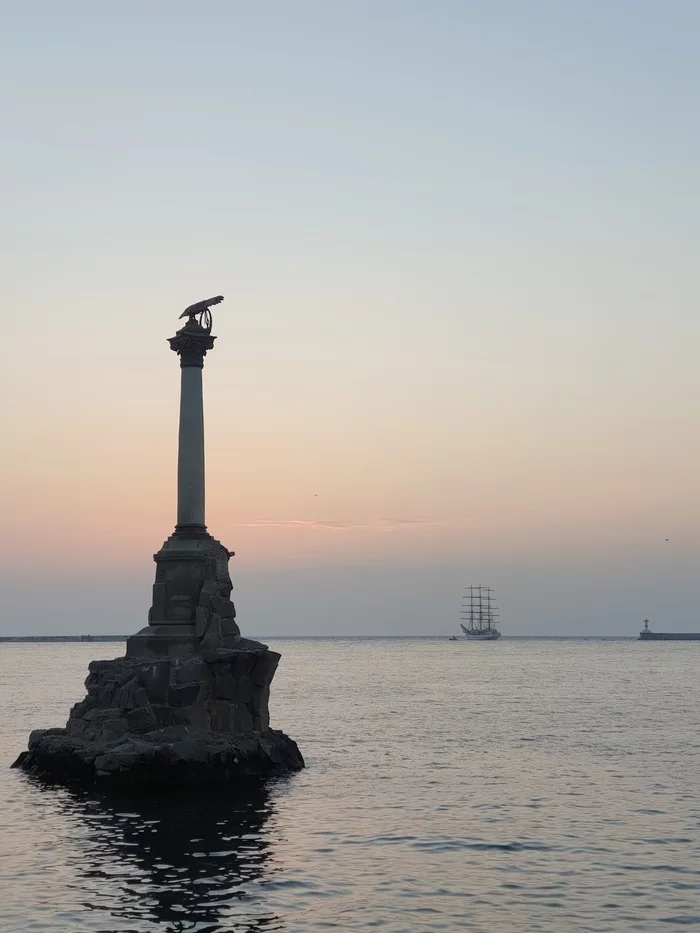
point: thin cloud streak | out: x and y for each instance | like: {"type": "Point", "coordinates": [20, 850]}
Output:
{"type": "Point", "coordinates": [385, 524]}
{"type": "Point", "coordinates": [296, 523]}
{"type": "Point", "coordinates": [410, 521]}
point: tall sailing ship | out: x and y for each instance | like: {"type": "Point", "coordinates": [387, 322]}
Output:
{"type": "Point", "coordinates": [479, 612]}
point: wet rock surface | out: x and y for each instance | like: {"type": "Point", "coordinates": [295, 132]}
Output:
{"type": "Point", "coordinates": [170, 756]}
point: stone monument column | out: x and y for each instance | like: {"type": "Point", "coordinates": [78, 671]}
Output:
{"type": "Point", "coordinates": [191, 344]}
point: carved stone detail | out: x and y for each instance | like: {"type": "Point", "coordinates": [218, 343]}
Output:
{"type": "Point", "coordinates": [191, 343]}
{"type": "Point", "coordinates": [192, 594]}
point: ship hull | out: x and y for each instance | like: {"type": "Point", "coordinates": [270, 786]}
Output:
{"type": "Point", "coordinates": [489, 635]}
{"type": "Point", "coordinates": [669, 636]}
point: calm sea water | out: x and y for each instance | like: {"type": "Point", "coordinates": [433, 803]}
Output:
{"type": "Point", "coordinates": [518, 786]}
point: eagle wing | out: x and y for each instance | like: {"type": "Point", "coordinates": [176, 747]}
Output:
{"type": "Point", "coordinates": [200, 306]}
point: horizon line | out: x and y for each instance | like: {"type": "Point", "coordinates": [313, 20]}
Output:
{"type": "Point", "coordinates": [9, 639]}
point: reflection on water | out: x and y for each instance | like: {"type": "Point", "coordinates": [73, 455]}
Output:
{"type": "Point", "coordinates": [174, 861]}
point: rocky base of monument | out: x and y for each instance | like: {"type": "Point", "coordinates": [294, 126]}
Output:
{"type": "Point", "coordinates": [169, 721]}
{"type": "Point", "coordinates": [172, 756]}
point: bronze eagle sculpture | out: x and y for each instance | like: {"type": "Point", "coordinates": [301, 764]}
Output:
{"type": "Point", "coordinates": [201, 306]}
{"type": "Point", "coordinates": [201, 310]}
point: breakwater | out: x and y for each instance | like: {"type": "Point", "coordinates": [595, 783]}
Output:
{"type": "Point", "coordinates": [34, 638]}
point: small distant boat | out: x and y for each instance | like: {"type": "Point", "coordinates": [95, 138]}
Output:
{"type": "Point", "coordinates": [646, 634]}
{"type": "Point", "coordinates": [480, 612]}
{"type": "Point", "coordinates": [453, 638]}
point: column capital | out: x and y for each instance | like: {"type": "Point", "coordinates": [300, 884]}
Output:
{"type": "Point", "coordinates": [191, 343]}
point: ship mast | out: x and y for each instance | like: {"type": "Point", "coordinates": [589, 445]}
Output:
{"type": "Point", "coordinates": [479, 611]}
{"type": "Point", "coordinates": [491, 604]}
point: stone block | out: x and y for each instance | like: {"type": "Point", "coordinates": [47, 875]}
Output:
{"type": "Point", "coordinates": [126, 676]}
{"type": "Point", "coordinates": [265, 668]}
{"type": "Point", "coordinates": [224, 607]}
{"type": "Point", "coordinates": [243, 721]}
{"type": "Point", "coordinates": [206, 689]}
{"type": "Point", "coordinates": [91, 715]}
{"type": "Point", "coordinates": [205, 594]}
{"type": "Point", "coordinates": [181, 715]}
{"type": "Point", "coordinates": [229, 631]}
{"type": "Point", "coordinates": [201, 621]}
{"type": "Point", "coordinates": [170, 734]}
{"type": "Point", "coordinates": [212, 638]}
{"type": "Point", "coordinates": [141, 697]}
{"type": "Point", "coordinates": [156, 680]}
{"type": "Point", "coordinates": [182, 650]}
{"type": "Point", "coordinates": [114, 728]}
{"type": "Point", "coordinates": [261, 699]}
{"type": "Point", "coordinates": [106, 763]}
{"type": "Point", "coordinates": [194, 717]}
{"type": "Point", "coordinates": [224, 685]}
{"type": "Point", "coordinates": [125, 756]}
{"type": "Point", "coordinates": [74, 726]}
{"type": "Point", "coordinates": [244, 663]}
{"type": "Point", "coordinates": [163, 714]}
{"type": "Point", "coordinates": [125, 697]}
{"type": "Point", "coordinates": [188, 750]}
{"type": "Point", "coordinates": [262, 722]}
{"type": "Point", "coordinates": [220, 716]}
{"type": "Point", "coordinates": [141, 720]}
{"type": "Point", "coordinates": [105, 696]}
{"type": "Point", "coordinates": [157, 610]}
{"type": "Point", "coordinates": [192, 670]}
{"type": "Point", "coordinates": [35, 736]}
{"type": "Point", "coordinates": [245, 690]}
{"type": "Point", "coordinates": [183, 695]}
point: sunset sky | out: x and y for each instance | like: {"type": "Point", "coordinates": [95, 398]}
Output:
{"type": "Point", "coordinates": [458, 246]}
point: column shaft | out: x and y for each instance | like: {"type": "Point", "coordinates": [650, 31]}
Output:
{"type": "Point", "coordinates": [190, 462]}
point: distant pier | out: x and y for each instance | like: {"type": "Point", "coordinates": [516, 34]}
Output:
{"type": "Point", "coordinates": [646, 634]}
{"type": "Point", "coordinates": [33, 638]}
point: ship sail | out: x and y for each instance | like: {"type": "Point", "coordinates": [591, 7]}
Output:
{"type": "Point", "coordinates": [479, 612]}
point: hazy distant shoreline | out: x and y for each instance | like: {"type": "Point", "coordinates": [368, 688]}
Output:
{"type": "Point", "coordinates": [85, 638]}
{"type": "Point", "coordinates": [91, 638]}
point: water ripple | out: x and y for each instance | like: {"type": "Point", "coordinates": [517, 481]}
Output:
{"type": "Point", "coordinates": [539, 786]}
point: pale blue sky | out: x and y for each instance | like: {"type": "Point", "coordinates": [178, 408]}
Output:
{"type": "Point", "coordinates": [458, 247]}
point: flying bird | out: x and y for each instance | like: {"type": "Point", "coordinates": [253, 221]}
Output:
{"type": "Point", "coordinates": [200, 306]}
